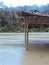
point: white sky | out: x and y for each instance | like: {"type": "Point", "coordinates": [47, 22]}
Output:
{"type": "Point", "coordinates": [25, 2]}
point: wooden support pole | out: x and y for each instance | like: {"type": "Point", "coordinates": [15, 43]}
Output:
{"type": "Point", "coordinates": [26, 33]}
{"type": "Point", "coordinates": [25, 30]}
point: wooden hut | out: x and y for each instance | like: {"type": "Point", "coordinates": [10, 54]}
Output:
{"type": "Point", "coordinates": [35, 20]}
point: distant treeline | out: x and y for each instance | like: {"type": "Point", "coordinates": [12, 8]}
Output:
{"type": "Point", "coordinates": [8, 20]}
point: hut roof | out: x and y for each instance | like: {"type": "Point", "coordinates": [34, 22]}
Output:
{"type": "Point", "coordinates": [33, 14]}
{"type": "Point", "coordinates": [36, 19]}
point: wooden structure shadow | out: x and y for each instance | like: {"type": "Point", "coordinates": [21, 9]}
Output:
{"type": "Point", "coordinates": [34, 20]}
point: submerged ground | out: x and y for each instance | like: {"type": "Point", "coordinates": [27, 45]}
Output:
{"type": "Point", "coordinates": [12, 49]}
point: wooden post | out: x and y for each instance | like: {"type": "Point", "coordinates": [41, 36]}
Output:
{"type": "Point", "coordinates": [26, 33]}
{"type": "Point", "coordinates": [25, 29]}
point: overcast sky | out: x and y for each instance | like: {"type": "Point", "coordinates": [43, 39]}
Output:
{"type": "Point", "coordinates": [24, 2]}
